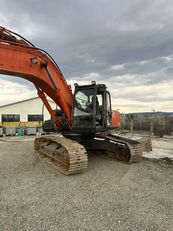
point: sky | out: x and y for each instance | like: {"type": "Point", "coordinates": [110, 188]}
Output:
{"type": "Point", "coordinates": [128, 45]}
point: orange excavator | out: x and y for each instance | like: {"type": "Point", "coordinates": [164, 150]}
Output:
{"type": "Point", "coordinates": [86, 119]}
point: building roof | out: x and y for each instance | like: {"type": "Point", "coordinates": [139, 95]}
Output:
{"type": "Point", "coordinates": [22, 101]}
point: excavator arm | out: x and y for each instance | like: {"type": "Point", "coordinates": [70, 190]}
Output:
{"type": "Point", "coordinates": [18, 57]}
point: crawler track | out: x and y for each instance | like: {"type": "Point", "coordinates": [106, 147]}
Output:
{"type": "Point", "coordinates": [70, 157]}
{"type": "Point", "coordinates": [66, 155]}
{"type": "Point", "coordinates": [134, 153]}
{"type": "Point", "coordinates": [123, 149]}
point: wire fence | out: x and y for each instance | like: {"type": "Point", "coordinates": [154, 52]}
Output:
{"type": "Point", "coordinates": [154, 124]}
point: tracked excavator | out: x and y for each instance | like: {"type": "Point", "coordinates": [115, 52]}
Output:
{"type": "Point", "coordinates": [88, 117]}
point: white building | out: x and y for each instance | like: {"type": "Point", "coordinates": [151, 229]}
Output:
{"type": "Point", "coordinates": [26, 112]}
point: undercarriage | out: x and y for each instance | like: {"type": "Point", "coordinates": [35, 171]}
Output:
{"type": "Point", "coordinates": [70, 156]}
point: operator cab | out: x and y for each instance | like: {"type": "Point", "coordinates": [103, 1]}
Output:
{"type": "Point", "coordinates": [91, 109]}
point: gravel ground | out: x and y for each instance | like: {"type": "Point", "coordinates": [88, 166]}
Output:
{"type": "Point", "coordinates": [109, 196]}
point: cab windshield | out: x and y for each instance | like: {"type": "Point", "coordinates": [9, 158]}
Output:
{"type": "Point", "coordinates": [83, 108]}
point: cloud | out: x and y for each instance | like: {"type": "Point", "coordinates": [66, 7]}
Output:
{"type": "Point", "coordinates": [13, 92]}
{"type": "Point", "coordinates": [118, 67]}
{"type": "Point", "coordinates": [125, 44]}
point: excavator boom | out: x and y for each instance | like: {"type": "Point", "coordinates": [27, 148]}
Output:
{"type": "Point", "coordinates": [19, 58]}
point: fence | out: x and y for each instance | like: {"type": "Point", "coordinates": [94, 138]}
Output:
{"type": "Point", "coordinates": [155, 124]}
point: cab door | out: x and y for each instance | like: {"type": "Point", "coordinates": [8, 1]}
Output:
{"type": "Point", "coordinates": [108, 110]}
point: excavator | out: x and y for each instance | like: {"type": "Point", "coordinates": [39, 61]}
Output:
{"type": "Point", "coordinates": [88, 119]}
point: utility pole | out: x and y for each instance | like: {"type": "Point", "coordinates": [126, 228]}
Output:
{"type": "Point", "coordinates": [140, 123]}
{"type": "Point", "coordinates": [152, 123]}
{"type": "Point", "coordinates": [131, 118]}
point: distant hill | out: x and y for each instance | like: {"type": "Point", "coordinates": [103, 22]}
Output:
{"type": "Point", "coordinates": [158, 113]}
